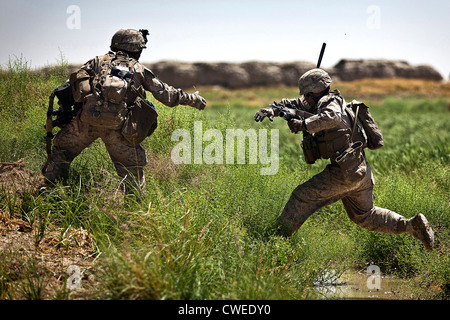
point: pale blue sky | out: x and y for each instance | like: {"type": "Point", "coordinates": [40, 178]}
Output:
{"type": "Point", "coordinates": [231, 30]}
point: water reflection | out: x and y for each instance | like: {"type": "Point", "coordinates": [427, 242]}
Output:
{"type": "Point", "coordinates": [359, 285]}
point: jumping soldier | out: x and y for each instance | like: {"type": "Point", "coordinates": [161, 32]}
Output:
{"type": "Point", "coordinates": [106, 87]}
{"type": "Point", "coordinates": [348, 177]}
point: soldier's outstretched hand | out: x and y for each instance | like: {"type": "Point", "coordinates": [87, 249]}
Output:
{"type": "Point", "coordinates": [263, 113]}
{"type": "Point", "coordinates": [199, 102]}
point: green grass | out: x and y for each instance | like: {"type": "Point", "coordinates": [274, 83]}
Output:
{"type": "Point", "coordinates": [208, 231]}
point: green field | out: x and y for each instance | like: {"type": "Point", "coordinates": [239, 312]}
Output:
{"type": "Point", "coordinates": [207, 231]}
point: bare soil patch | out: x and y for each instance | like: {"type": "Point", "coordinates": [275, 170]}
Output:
{"type": "Point", "coordinates": [34, 259]}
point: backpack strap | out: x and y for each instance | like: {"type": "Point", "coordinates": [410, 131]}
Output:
{"type": "Point", "coordinates": [350, 110]}
{"type": "Point", "coordinates": [355, 121]}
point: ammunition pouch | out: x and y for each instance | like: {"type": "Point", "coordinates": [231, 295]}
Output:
{"type": "Point", "coordinates": [310, 148]}
{"type": "Point", "coordinates": [352, 162]}
{"type": "Point", "coordinates": [331, 144]}
{"type": "Point", "coordinates": [141, 121]}
{"type": "Point", "coordinates": [103, 114]}
{"type": "Point", "coordinates": [324, 145]}
{"type": "Point", "coordinates": [80, 83]}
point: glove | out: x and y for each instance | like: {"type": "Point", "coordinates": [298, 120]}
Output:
{"type": "Point", "coordinates": [197, 101]}
{"type": "Point", "coordinates": [296, 125]}
{"type": "Point", "coordinates": [265, 112]}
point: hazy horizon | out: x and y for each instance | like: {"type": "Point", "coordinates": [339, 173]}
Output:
{"type": "Point", "coordinates": [230, 31]}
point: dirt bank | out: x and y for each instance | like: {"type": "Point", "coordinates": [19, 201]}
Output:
{"type": "Point", "coordinates": [35, 255]}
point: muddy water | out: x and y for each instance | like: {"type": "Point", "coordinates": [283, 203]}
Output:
{"type": "Point", "coordinates": [362, 285]}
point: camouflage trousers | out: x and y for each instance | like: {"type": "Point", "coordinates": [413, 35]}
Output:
{"type": "Point", "coordinates": [129, 160]}
{"type": "Point", "coordinates": [330, 186]}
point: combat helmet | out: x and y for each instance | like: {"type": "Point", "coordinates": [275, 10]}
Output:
{"type": "Point", "coordinates": [315, 81]}
{"type": "Point", "coordinates": [129, 40]}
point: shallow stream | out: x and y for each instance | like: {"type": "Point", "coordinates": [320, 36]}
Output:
{"type": "Point", "coordinates": [363, 285]}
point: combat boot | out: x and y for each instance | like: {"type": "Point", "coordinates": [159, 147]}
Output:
{"type": "Point", "coordinates": [420, 229]}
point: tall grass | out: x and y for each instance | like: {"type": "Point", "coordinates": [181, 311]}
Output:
{"type": "Point", "coordinates": [208, 231]}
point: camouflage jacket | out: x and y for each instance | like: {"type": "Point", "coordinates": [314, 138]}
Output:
{"type": "Point", "coordinates": [330, 123]}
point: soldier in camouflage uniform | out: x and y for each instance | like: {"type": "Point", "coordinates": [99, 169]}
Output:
{"type": "Point", "coordinates": [332, 128]}
{"type": "Point", "coordinates": [129, 159]}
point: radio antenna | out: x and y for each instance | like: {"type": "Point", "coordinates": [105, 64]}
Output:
{"type": "Point", "coordinates": [322, 51]}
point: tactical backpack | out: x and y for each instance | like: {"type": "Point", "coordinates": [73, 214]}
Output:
{"type": "Point", "coordinates": [372, 132]}
{"type": "Point", "coordinates": [116, 103]}
{"type": "Point", "coordinates": [106, 105]}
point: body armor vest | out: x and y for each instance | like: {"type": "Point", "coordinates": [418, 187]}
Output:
{"type": "Point", "coordinates": [332, 142]}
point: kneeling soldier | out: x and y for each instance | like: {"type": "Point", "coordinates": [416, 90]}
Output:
{"type": "Point", "coordinates": [106, 87]}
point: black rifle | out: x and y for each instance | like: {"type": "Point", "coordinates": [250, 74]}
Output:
{"type": "Point", "coordinates": [284, 111]}
{"type": "Point", "coordinates": [288, 111]}
{"type": "Point", "coordinates": [67, 107]}
{"type": "Point", "coordinates": [64, 114]}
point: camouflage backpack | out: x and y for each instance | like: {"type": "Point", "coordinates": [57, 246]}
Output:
{"type": "Point", "coordinates": [106, 105]}
{"type": "Point", "coordinates": [372, 132]}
